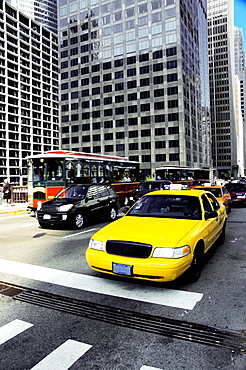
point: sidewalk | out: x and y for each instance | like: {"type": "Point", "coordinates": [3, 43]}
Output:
{"type": "Point", "coordinates": [13, 209]}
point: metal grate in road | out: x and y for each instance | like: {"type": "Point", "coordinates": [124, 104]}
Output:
{"type": "Point", "coordinates": [183, 330]}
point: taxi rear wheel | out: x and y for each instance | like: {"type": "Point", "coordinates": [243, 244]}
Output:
{"type": "Point", "coordinates": [196, 264]}
{"type": "Point", "coordinates": [221, 239]}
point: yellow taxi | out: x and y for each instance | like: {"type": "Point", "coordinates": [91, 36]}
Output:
{"type": "Point", "coordinates": [164, 234]}
{"type": "Point", "coordinates": [220, 192]}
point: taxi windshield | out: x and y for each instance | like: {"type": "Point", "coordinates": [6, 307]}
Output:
{"type": "Point", "coordinates": [168, 206]}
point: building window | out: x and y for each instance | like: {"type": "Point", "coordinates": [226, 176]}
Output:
{"type": "Point", "coordinates": [120, 135]}
{"type": "Point", "coordinates": [172, 103]}
{"type": "Point", "coordinates": [132, 121]}
{"type": "Point", "coordinates": [133, 146]}
{"type": "Point", "coordinates": [173, 117]}
{"type": "Point", "coordinates": [160, 144]}
{"type": "Point", "coordinates": [133, 134]}
{"type": "Point", "coordinates": [158, 80]}
{"type": "Point", "coordinates": [146, 158]}
{"type": "Point", "coordinates": [145, 133]}
{"type": "Point", "coordinates": [159, 105]}
{"type": "Point", "coordinates": [160, 131]}
{"type": "Point", "coordinates": [145, 107]}
{"type": "Point", "coordinates": [132, 108]}
{"type": "Point", "coordinates": [132, 96]}
{"type": "Point", "coordinates": [119, 123]}
{"type": "Point", "coordinates": [146, 145]}
{"type": "Point", "coordinates": [174, 157]}
{"type": "Point", "coordinates": [119, 87]}
{"type": "Point", "coordinates": [108, 124]}
{"type": "Point", "coordinates": [108, 136]}
{"type": "Point", "coordinates": [160, 158]}
{"type": "Point", "coordinates": [120, 147]}
{"type": "Point", "coordinates": [173, 130]}
{"type": "Point", "coordinates": [131, 84]}
{"type": "Point", "coordinates": [108, 148]}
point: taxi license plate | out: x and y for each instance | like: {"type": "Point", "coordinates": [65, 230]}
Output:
{"type": "Point", "coordinates": [46, 217]}
{"type": "Point", "coordinates": [120, 269]}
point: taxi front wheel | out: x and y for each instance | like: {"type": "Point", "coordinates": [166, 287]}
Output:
{"type": "Point", "coordinates": [196, 264]}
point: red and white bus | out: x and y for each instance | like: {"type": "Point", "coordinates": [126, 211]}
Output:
{"type": "Point", "coordinates": [48, 173]}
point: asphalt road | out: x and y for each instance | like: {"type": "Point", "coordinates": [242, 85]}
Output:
{"type": "Point", "coordinates": [64, 315]}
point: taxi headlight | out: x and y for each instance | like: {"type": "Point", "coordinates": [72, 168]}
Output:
{"type": "Point", "coordinates": [65, 208]}
{"type": "Point", "coordinates": [171, 252]}
{"type": "Point", "coordinates": [96, 244]}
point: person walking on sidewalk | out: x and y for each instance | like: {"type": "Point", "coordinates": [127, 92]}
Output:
{"type": "Point", "coordinates": [6, 191]}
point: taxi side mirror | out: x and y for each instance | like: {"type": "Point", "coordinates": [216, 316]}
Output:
{"type": "Point", "coordinates": [212, 214]}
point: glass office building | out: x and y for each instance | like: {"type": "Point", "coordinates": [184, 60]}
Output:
{"type": "Point", "coordinates": [134, 80]}
{"type": "Point", "coordinates": [221, 71]}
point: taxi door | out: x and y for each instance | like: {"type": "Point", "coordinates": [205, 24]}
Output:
{"type": "Point", "coordinates": [212, 225]}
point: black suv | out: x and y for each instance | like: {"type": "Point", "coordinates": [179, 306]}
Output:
{"type": "Point", "coordinates": [146, 187]}
{"type": "Point", "coordinates": [75, 205]}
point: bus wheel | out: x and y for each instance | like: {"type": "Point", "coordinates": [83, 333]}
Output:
{"type": "Point", "coordinates": [79, 220]}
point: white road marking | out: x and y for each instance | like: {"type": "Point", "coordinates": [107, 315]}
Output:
{"type": "Point", "coordinates": [30, 225]}
{"type": "Point", "coordinates": [156, 295]}
{"type": "Point", "coordinates": [81, 232]}
{"type": "Point", "coordinates": [149, 368]}
{"type": "Point", "coordinates": [15, 216]}
{"type": "Point", "coordinates": [12, 329]}
{"type": "Point", "coordinates": [64, 356]}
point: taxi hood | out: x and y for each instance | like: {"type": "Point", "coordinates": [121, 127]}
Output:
{"type": "Point", "coordinates": [155, 231]}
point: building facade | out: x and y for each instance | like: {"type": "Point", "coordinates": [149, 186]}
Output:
{"type": "Point", "coordinates": [134, 80]}
{"type": "Point", "coordinates": [240, 71]}
{"type": "Point", "coordinates": [43, 12]}
{"type": "Point", "coordinates": [29, 92]}
{"type": "Point", "coordinates": [222, 96]}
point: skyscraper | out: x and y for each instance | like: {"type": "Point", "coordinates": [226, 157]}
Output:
{"type": "Point", "coordinates": [240, 70]}
{"type": "Point", "coordinates": [222, 98]}
{"type": "Point", "coordinates": [134, 80]}
{"type": "Point", "coordinates": [44, 12]}
{"type": "Point", "coordinates": [29, 107]}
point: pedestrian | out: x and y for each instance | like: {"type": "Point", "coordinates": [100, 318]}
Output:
{"type": "Point", "coordinates": [6, 191]}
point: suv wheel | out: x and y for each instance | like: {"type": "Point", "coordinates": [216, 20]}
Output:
{"type": "Point", "coordinates": [112, 214]}
{"type": "Point", "coordinates": [79, 220]}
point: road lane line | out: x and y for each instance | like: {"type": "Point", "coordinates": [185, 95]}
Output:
{"type": "Point", "coordinates": [30, 225]}
{"type": "Point", "coordinates": [150, 294]}
{"type": "Point", "coordinates": [81, 232]}
{"type": "Point", "coordinates": [64, 356]}
{"type": "Point", "coordinates": [149, 368]}
{"type": "Point", "coordinates": [12, 329]}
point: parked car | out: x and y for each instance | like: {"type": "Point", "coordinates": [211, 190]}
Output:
{"type": "Point", "coordinates": [146, 187]}
{"type": "Point", "coordinates": [163, 235]}
{"type": "Point", "coordinates": [220, 192]}
{"type": "Point", "coordinates": [75, 205]}
{"type": "Point", "coordinates": [238, 192]}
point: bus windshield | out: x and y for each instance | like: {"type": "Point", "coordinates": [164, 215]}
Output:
{"type": "Point", "coordinates": [47, 170]}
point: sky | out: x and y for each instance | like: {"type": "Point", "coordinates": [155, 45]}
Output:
{"type": "Point", "coordinates": [240, 17]}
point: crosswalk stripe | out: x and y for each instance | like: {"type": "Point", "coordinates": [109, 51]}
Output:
{"type": "Point", "coordinates": [64, 356]}
{"type": "Point", "coordinates": [144, 293]}
{"type": "Point", "coordinates": [12, 329]}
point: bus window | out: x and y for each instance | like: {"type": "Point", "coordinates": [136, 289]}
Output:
{"type": "Point", "coordinates": [94, 171]}
{"type": "Point", "coordinates": [54, 170]}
